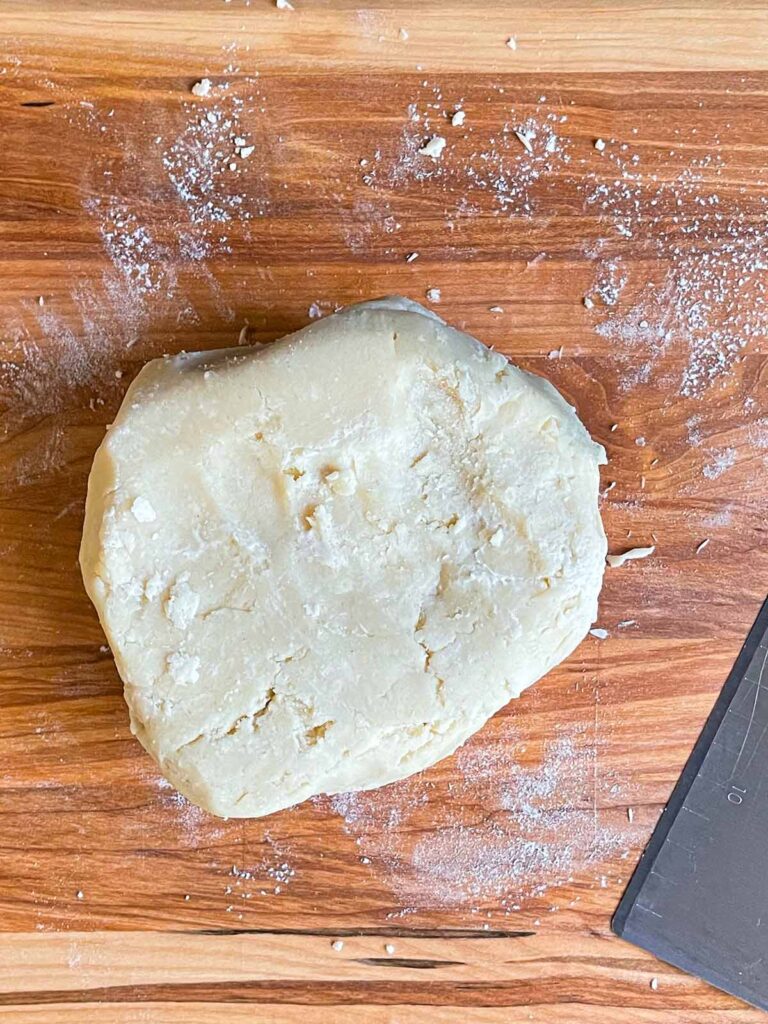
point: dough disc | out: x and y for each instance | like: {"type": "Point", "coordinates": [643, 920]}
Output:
{"type": "Point", "coordinates": [323, 564]}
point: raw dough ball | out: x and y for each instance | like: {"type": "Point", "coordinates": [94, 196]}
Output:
{"type": "Point", "coordinates": [323, 564]}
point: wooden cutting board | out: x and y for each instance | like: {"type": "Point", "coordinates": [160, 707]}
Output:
{"type": "Point", "coordinates": [600, 217]}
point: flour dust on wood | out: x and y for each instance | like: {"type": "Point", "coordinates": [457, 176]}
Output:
{"type": "Point", "coordinates": [502, 831]}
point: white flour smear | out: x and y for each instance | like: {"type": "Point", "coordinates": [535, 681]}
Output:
{"type": "Point", "coordinates": [56, 360]}
{"type": "Point", "coordinates": [30, 371]}
{"type": "Point", "coordinates": [144, 265]}
{"type": "Point", "coordinates": [709, 302]}
{"type": "Point", "coordinates": [502, 832]}
{"type": "Point", "coordinates": [195, 828]}
{"type": "Point", "coordinates": [142, 285]}
{"type": "Point", "coordinates": [501, 165]}
{"type": "Point", "coordinates": [708, 253]}
{"type": "Point", "coordinates": [718, 462]}
{"type": "Point", "coordinates": [204, 162]}
{"type": "Point", "coordinates": [758, 432]}
{"type": "Point", "coordinates": [50, 356]}
{"type": "Point", "coordinates": [50, 353]}
{"type": "Point", "coordinates": [43, 459]}
{"type": "Point", "coordinates": [266, 871]}
{"type": "Point", "coordinates": [724, 517]}
{"type": "Point", "coordinates": [269, 875]}
{"type": "Point", "coordinates": [706, 299]}
{"type": "Point", "coordinates": [702, 302]}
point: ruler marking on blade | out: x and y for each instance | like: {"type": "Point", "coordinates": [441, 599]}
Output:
{"type": "Point", "coordinates": [639, 906]}
{"type": "Point", "coordinates": [690, 810]}
{"type": "Point", "coordinates": [673, 842]}
{"type": "Point", "coordinates": [754, 707]}
{"type": "Point", "coordinates": [663, 877]}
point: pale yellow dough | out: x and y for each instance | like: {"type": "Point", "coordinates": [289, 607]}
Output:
{"type": "Point", "coordinates": [323, 564]}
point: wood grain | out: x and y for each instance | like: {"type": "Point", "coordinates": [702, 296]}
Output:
{"type": "Point", "coordinates": [423, 978]}
{"type": "Point", "coordinates": [443, 35]}
{"type": "Point", "coordinates": [118, 901]}
{"type": "Point", "coordinates": [208, 1012]}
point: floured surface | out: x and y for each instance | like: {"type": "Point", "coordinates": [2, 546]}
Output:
{"type": "Point", "coordinates": [116, 237]}
{"type": "Point", "coordinates": [538, 827]}
{"type": "Point", "coordinates": [323, 565]}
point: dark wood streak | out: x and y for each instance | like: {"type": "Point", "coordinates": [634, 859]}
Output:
{"type": "Point", "coordinates": [383, 932]}
{"type": "Point", "coordinates": [560, 991]}
{"type": "Point", "coordinates": [395, 961]}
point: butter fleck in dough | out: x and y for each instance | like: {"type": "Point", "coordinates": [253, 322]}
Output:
{"type": "Point", "coordinates": [323, 564]}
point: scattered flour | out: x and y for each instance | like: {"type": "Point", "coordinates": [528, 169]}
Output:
{"type": "Point", "coordinates": [704, 252]}
{"type": "Point", "coordinates": [516, 829]}
{"type": "Point", "coordinates": [204, 162]}
{"type": "Point", "coordinates": [723, 517]}
{"type": "Point", "coordinates": [531, 829]}
{"type": "Point", "coordinates": [144, 265]}
{"type": "Point", "coordinates": [264, 868]}
{"type": "Point", "coordinates": [610, 282]}
{"type": "Point", "coordinates": [57, 350]}
{"type": "Point", "coordinates": [499, 166]}
{"type": "Point", "coordinates": [708, 294]}
{"type": "Point", "coordinates": [192, 824]}
{"type": "Point", "coordinates": [718, 463]}
{"type": "Point", "coordinates": [269, 875]}
{"type": "Point", "coordinates": [198, 159]}
{"type": "Point", "coordinates": [74, 956]}
{"type": "Point", "coordinates": [757, 433]}
{"type": "Point", "coordinates": [693, 425]}
{"type": "Point", "coordinates": [50, 356]}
